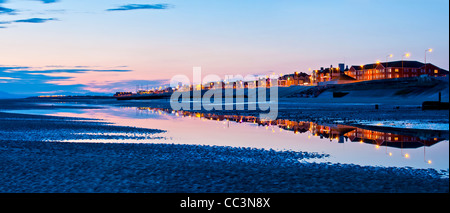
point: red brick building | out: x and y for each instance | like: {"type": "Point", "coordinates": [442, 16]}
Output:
{"type": "Point", "coordinates": [394, 69]}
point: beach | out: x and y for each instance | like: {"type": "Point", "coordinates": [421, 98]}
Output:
{"type": "Point", "coordinates": [36, 162]}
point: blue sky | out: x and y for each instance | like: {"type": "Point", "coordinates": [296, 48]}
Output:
{"type": "Point", "coordinates": [121, 42]}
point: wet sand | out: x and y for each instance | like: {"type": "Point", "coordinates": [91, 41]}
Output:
{"type": "Point", "coordinates": [34, 166]}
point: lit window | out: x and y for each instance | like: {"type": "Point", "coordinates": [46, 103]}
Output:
{"type": "Point", "coordinates": [396, 70]}
{"type": "Point", "coordinates": [436, 71]}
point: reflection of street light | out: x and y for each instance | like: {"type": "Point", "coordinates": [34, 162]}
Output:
{"type": "Point", "coordinates": [405, 55]}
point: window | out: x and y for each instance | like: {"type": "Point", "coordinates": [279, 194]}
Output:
{"type": "Point", "coordinates": [436, 71]}
{"type": "Point", "coordinates": [396, 70]}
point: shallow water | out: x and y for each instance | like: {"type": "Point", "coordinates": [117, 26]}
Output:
{"type": "Point", "coordinates": [344, 144]}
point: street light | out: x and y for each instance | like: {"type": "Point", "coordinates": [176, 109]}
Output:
{"type": "Point", "coordinates": [378, 62]}
{"type": "Point", "coordinates": [428, 50]}
{"type": "Point", "coordinates": [361, 74]}
{"type": "Point", "coordinates": [405, 55]}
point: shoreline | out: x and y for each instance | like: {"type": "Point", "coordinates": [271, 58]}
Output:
{"type": "Point", "coordinates": [291, 109]}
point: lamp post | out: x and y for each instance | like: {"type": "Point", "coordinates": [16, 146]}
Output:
{"type": "Point", "coordinates": [378, 62]}
{"type": "Point", "coordinates": [428, 50]}
{"type": "Point", "coordinates": [405, 55]}
{"type": "Point", "coordinates": [360, 73]}
{"type": "Point", "coordinates": [385, 68]}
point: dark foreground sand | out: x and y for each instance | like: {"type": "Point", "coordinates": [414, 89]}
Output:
{"type": "Point", "coordinates": [36, 166]}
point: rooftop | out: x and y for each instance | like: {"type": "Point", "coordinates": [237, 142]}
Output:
{"type": "Point", "coordinates": [409, 64]}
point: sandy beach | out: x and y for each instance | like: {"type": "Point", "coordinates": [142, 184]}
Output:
{"type": "Point", "coordinates": [29, 165]}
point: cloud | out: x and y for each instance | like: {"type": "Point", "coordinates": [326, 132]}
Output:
{"type": "Point", "coordinates": [47, 1]}
{"type": "Point", "coordinates": [126, 85]}
{"type": "Point", "coordinates": [141, 6]}
{"type": "Point", "coordinates": [29, 80]}
{"type": "Point", "coordinates": [30, 70]}
{"type": "Point", "coordinates": [7, 78]}
{"type": "Point", "coordinates": [36, 20]}
{"type": "Point", "coordinates": [7, 11]}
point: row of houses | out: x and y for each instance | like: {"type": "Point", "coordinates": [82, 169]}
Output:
{"type": "Point", "coordinates": [337, 75]}
{"type": "Point", "coordinates": [375, 71]}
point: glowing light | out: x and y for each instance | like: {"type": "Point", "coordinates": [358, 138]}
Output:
{"type": "Point", "coordinates": [429, 161]}
{"type": "Point", "coordinates": [430, 50]}
{"type": "Point", "coordinates": [377, 146]}
{"type": "Point", "coordinates": [390, 153]}
{"type": "Point", "coordinates": [406, 155]}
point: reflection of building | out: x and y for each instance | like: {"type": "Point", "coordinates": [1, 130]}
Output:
{"type": "Point", "coordinates": [389, 139]}
{"type": "Point", "coordinates": [338, 132]}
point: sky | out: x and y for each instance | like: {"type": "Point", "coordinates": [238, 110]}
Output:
{"type": "Point", "coordinates": [104, 46]}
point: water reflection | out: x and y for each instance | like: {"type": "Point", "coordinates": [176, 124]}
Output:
{"type": "Point", "coordinates": [349, 144]}
{"type": "Point", "coordinates": [377, 136]}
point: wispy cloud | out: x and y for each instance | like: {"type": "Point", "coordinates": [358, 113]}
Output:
{"type": "Point", "coordinates": [36, 20]}
{"type": "Point", "coordinates": [7, 11]}
{"type": "Point", "coordinates": [126, 85]}
{"type": "Point", "coordinates": [30, 20]}
{"type": "Point", "coordinates": [48, 1]}
{"type": "Point", "coordinates": [31, 70]}
{"type": "Point", "coordinates": [141, 7]}
{"type": "Point", "coordinates": [29, 80]}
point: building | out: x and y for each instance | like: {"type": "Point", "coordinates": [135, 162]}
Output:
{"type": "Point", "coordinates": [331, 75]}
{"type": "Point", "coordinates": [294, 79]}
{"type": "Point", "coordinates": [394, 69]}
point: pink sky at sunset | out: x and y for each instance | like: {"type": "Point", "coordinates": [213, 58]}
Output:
{"type": "Point", "coordinates": [222, 37]}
